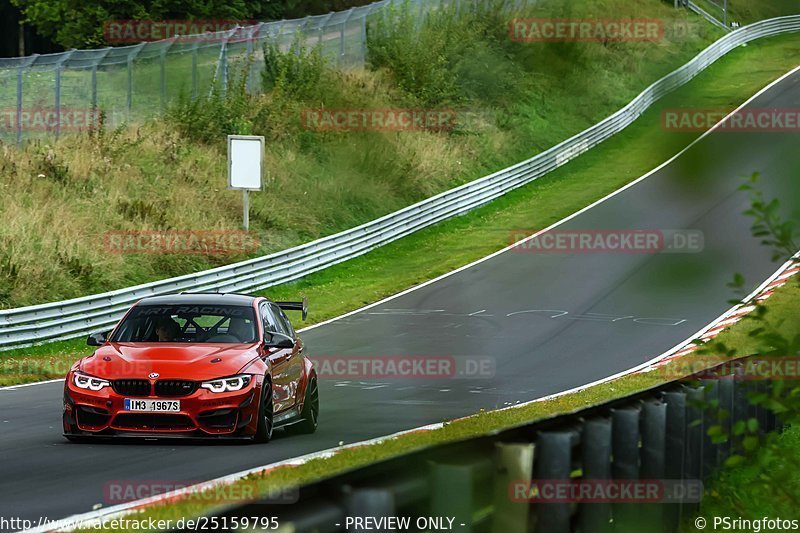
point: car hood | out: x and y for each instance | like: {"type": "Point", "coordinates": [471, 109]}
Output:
{"type": "Point", "coordinates": [169, 360]}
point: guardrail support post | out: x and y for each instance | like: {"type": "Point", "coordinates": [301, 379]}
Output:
{"type": "Point", "coordinates": [369, 502]}
{"type": "Point", "coordinates": [674, 451]}
{"type": "Point", "coordinates": [695, 432]}
{"type": "Point", "coordinates": [654, 423]}
{"type": "Point", "coordinates": [725, 404]}
{"type": "Point", "coordinates": [654, 426]}
{"type": "Point", "coordinates": [596, 459]}
{"type": "Point", "coordinates": [766, 418]}
{"type": "Point", "coordinates": [513, 464]}
{"type": "Point", "coordinates": [741, 405]}
{"type": "Point", "coordinates": [674, 457]}
{"type": "Point", "coordinates": [625, 448]}
{"type": "Point", "coordinates": [710, 418]}
{"type": "Point", "coordinates": [751, 387]}
{"type": "Point", "coordinates": [452, 493]}
{"type": "Point", "coordinates": [553, 463]}
{"type": "Point", "coordinates": [757, 387]}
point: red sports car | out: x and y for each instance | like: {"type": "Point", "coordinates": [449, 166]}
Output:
{"type": "Point", "coordinates": [195, 365]}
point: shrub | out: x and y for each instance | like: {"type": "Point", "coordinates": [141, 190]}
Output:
{"type": "Point", "coordinates": [210, 118]}
{"type": "Point", "coordinates": [296, 73]}
{"type": "Point", "coordinates": [449, 56]}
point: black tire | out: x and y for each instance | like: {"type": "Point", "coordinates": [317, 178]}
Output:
{"type": "Point", "coordinates": [265, 413]}
{"type": "Point", "coordinates": [310, 412]}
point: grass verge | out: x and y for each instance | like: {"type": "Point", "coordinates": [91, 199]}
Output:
{"type": "Point", "coordinates": [457, 242]}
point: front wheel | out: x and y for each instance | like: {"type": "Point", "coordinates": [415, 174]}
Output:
{"type": "Point", "coordinates": [310, 412]}
{"type": "Point", "coordinates": [265, 412]}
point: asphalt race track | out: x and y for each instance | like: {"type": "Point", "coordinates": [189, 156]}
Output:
{"type": "Point", "coordinates": [549, 321]}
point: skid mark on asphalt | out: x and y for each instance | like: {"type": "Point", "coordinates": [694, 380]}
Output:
{"type": "Point", "coordinates": [600, 317]}
{"type": "Point", "coordinates": [433, 389]}
{"type": "Point", "coordinates": [546, 313]}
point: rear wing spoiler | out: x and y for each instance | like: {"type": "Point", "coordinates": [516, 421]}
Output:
{"type": "Point", "coordinates": [295, 306]}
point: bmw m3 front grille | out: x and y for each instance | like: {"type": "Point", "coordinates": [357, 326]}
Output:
{"type": "Point", "coordinates": [153, 421]}
{"type": "Point", "coordinates": [174, 388]}
{"type": "Point", "coordinates": [132, 387]}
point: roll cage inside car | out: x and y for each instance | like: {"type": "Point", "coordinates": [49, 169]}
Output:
{"type": "Point", "coordinates": [190, 323]}
{"type": "Point", "coordinates": [270, 313]}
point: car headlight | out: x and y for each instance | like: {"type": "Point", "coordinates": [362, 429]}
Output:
{"type": "Point", "coordinates": [85, 381]}
{"type": "Point", "coordinates": [227, 384]}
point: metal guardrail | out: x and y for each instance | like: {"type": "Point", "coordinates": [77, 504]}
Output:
{"type": "Point", "coordinates": [72, 318]}
{"type": "Point", "coordinates": [658, 436]}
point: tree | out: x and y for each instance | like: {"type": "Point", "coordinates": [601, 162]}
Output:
{"type": "Point", "coordinates": [81, 23]}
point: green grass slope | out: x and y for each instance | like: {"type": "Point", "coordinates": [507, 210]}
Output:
{"type": "Point", "coordinates": [59, 199]}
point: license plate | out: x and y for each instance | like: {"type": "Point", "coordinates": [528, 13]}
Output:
{"type": "Point", "coordinates": [152, 406]}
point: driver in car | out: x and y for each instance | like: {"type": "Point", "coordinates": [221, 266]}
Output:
{"type": "Point", "coordinates": [242, 330]}
{"type": "Point", "coordinates": [167, 330]}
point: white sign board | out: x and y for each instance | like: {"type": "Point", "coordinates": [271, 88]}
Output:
{"type": "Point", "coordinates": [245, 162]}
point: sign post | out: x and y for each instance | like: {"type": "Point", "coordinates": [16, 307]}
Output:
{"type": "Point", "coordinates": [725, 13]}
{"type": "Point", "coordinates": [245, 168]}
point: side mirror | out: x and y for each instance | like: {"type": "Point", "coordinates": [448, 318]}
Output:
{"type": "Point", "coordinates": [96, 339]}
{"type": "Point", "coordinates": [278, 340]}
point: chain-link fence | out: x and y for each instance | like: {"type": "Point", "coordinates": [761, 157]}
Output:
{"type": "Point", "coordinates": [46, 95]}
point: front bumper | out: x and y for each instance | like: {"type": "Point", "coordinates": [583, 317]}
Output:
{"type": "Point", "coordinates": [202, 414]}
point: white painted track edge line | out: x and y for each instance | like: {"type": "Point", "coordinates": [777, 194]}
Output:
{"type": "Point", "coordinates": [22, 385]}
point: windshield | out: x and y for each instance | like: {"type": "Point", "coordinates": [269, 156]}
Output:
{"type": "Point", "coordinates": [188, 323]}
